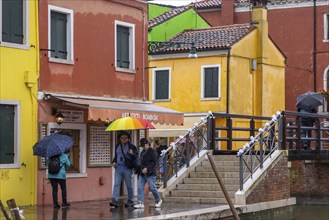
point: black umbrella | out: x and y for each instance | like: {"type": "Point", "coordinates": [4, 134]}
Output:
{"type": "Point", "coordinates": [51, 145]}
{"type": "Point", "coordinates": [309, 100]}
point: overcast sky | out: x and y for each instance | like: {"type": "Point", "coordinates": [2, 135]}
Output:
{"type": "Point", "coordinates": [173, 2]}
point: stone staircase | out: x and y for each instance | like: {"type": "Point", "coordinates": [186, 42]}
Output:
{"type": "Point", "coordinates": [201, 185]}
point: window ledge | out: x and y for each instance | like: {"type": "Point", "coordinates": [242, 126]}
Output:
{"type": "Point", "coordinates": [10, 166]}
{"type": "Point", "coordinates": [12, 45]}
{"type": "Point", "coordinates": [56, 60]}
{"type": "Point", "coordinates": [125, 70]}
{"type": "Point", "coordinates": [76, 175]}
{"type": "Point", "coordinates": [210, 99]}
{"type": "Point", "coordinates": [326, 40]}
{"type": "Point", "coordinates": [161, 100]}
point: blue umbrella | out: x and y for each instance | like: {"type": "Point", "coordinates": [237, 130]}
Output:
{"type": "Point", "coordinates": [51, 145]}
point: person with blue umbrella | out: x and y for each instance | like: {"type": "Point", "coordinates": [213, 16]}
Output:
{"type": "Point", "coordinates": [55, 147]}
{"type": "Point", "coordinates": [62, 162]}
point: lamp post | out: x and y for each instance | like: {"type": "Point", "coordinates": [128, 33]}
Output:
{"type": "Point", "coordinates": [156, 47]}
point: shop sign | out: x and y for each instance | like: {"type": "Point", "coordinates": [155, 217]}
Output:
{"type": "Point", "coordinates": [149, 117]}
{"type": "Point", "coordinates": [73, 116]}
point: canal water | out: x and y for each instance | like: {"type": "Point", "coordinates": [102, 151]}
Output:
{"type": "Point", "coordinates": [297, 212]}
{"type": "Point", "coordinates": [307, 208]}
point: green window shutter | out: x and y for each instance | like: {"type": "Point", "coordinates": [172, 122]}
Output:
{"type": "Point", "coordinates": [162, 84]}
{"type": "Point", "coordinates": [7, 134]}
{"type": "Point", "coordinates": [211, 82]}
{"type": "Point", "coordinates": [58, 35]}
{"type": "Point", "coordinates": [12, 21]}
{"type": "Point", "coordinates": [123, 47]}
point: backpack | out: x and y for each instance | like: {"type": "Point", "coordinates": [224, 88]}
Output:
{"type": "Point", "coordinates": [54, 165]}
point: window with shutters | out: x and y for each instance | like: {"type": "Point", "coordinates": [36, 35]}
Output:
{"type": "Point", "coordinates": [210, 82]}
{"type": "Point", "coordinates": [326, 27]}
{"type": "Point", "coordinates": [60, 34]}
{"type": "Point", "coordinates": [124, 46]}
{"type": "Point", "coordinates": [14, 16]}
{"type": "Point", "coordinates": [161, 84]}
{"type": "Point", "coordinates": [9, 140]}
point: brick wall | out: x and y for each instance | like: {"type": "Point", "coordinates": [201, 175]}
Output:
{"type": "Point", "coordinates": [309, 178]}
{"type": "Point", "coordinates": [275, 186]}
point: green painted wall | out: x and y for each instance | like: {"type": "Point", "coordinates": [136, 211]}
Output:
{"type": "Point", "coordinates": [156, 10]}
{"type": "Point", "coordinates": [187, 20]}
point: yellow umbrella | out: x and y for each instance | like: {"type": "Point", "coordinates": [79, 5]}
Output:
{"type": "Point", "coordinates": [129, 123]}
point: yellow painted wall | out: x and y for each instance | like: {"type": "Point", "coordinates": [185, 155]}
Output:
{"type": "Point", "coordinates": [19, 69]}
{"type": "Point", "coordinates": [258, 93]}
{"type": "Point", "coordinates": [186, 84]}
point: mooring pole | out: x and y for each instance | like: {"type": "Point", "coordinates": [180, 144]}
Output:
{"type": "Point", "coordinates": [220, 181]}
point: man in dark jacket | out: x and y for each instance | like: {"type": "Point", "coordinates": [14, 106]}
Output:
{"type": "Point", "coordinates": [125, 155]}
{"type": "Point", "coordinates": [147, 173]}
{"type": "Point", "coordinates": [306, 122]}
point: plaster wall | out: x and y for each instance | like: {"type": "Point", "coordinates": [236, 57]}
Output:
{"type": "Point", "coordinates": [19, 71]}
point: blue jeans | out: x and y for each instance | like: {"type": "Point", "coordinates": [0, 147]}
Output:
{"type": "Point", "coordinates": [142, 179]}
{"type": "Point", "coordinates": [126, 174]}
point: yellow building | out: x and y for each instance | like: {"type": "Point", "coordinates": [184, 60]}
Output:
{"type": "Point", "coordinates": [239, 70]}
{"type": "Point", "coordinates": [19, 66]}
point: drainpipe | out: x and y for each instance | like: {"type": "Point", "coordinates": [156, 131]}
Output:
{"type": "Point", "coordinates": [143, 53]}
{"type": "Point", "coordinates": [314, 43]}
{"type": "Point", "coordinates": [228, 81]}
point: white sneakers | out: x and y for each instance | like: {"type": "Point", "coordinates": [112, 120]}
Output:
{"type": "Point", "coordinates": [140, 205]}
{"type": "Point", "coordinates": [158, 204]}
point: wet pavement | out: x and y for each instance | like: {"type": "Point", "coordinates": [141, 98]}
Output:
{"type": "Point", "coordinates": [91, 210]}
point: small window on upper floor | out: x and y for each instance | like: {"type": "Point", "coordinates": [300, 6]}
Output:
{"type": "Point", "coordinates": [210, 82]}
{"type": "Point", "coordinates": [326, 27]}
{"type": "Point", "coordinates": [9, 134]}
{"type": "Point", "coordinates": [125, 46]}
{"type": "Point", "coordinates": [60, 38]}
{"type": "Point", "coordinates": [14, 26]}
{"type": "Point", "coordinates": [161, 84]}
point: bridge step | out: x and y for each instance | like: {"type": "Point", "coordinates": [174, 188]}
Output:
{"type": "Point", "coordinates": [212, 174]}
{"type": "Point", "coordinates": [201, 194]}
{"type": "Point", "coordinates": [201, 185]}
{"type": "Point", "coordinates": [219, 201]}
{"type": "Point", "coordinates": [210, 180]}
{"type": "Point", "coordinates": [206, 187]}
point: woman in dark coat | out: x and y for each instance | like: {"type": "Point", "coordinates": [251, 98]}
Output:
{"type": "Point", "coordinates": [147, 173]}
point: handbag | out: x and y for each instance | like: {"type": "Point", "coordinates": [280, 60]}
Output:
{"type": "Point", "coordinates": [129, 163]}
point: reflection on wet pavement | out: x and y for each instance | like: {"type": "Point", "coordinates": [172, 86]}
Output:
{"type": "Point", "coordinates": [94, 210]}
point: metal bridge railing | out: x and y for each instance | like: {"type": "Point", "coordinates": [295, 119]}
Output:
{"type": "Point", "coordinates": [253, 154]}
{"type": "Point", "coordinates": [186, 147]}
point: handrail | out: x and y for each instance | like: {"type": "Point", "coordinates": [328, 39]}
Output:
{"type": "Point", "coordinates": [186, 147]}
{"type": "Point", "coordinates": [266, 136]}
{"type": "Point", "coordinates": [285, 131]}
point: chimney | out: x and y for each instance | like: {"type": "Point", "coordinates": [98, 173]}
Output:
{"type": "Point", "coordinates": [227, 12]}
{"type": "Point", "coordinates": [259, 19]}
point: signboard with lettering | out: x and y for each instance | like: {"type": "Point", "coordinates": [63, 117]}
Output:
{"type": "Point", "coordinates": [73, 116]}
{"type": "Point", "coordinates": [149, 117]}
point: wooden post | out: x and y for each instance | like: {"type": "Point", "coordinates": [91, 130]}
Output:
{"type": "Point", "coordinates": [221, 183]}
{"type": "Point", "coordinates": [4, 211]}
{"type": "Point", "coordinates": [13, 209]}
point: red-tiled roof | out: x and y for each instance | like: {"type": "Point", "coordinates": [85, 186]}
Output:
{"type": "Point", "coordinates": [168, 15]}
{"type": "Point", "coordinates": [207, 38]}
{"type": "Point", "coordinates": [244, 3]}
{"type": "Point", "coordinates": [208, 4]}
